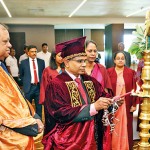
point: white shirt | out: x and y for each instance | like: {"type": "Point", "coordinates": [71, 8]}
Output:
{"type": "Point", "coordinates": [32, 70]}
{"type": "Point", "coordinates": [71, 75]}
{"type": "Point", "coordinates": [12, 63]}
{"type": "Point", "coordinates": [45, 57]}
{"type": "Point", "coordinates": [23, 57]}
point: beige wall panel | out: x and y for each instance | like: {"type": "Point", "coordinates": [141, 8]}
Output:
{"type": "Point", "coordinates": [97, 35]}
{"type": "Point", "coordinates": [36, 34]}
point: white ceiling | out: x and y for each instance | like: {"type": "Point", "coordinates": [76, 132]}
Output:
{"type": "Point", "coordinates": [96, 13]}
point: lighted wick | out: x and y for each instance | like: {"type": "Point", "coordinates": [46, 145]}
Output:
{"type": "Point", "coordinates": [118, 97]}
{"type": "Point", "coordinates": [137, 92]}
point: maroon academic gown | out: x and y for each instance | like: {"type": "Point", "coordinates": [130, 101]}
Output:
{"type": "Point", "coordinates": [107, 83]}
{"type": "Point", "coordinates": [130, 84]}
{"type": "Point", "coordinates": [47, 75]}
{"type": "Point", "coordinates": [63, 104]}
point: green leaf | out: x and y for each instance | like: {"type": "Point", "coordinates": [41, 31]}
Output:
{"type": "Point", "coordinates": [140, 30]}
{"type": "Point", "coordinates": [133, 49]}
{"type": "Point", "coordinates": [139, 42]}
{"type": "Point", "coordinates": [139, 55]}
{"type": "Point", "coordinates": [137, 35]}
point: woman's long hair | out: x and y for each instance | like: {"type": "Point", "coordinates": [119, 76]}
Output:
{"type": "Point", "coordinates": [53, 64]}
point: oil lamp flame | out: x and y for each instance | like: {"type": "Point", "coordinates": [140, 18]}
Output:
{"type": "Point", "coordinates": [137, 91]}
{"type": "Point", "coordinates": [138, 88]}
{"type": "Point", "coordinates": [132, 91]}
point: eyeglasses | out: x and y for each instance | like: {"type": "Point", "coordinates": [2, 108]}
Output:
{"type": "Point", "coordinates": [80, 61]}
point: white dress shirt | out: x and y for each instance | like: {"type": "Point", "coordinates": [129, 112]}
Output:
{"type": "Point", "coordinates": [45, 57]}
{"type": "Point", "coordinates": [32, 70]}
{"type": "Point", "coordinates": [12, 63]}
{"type": "Point", "coordinates": [23, 57]}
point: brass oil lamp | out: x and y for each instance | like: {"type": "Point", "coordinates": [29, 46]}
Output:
{"type": "Point", "coordinates": [145, 106]}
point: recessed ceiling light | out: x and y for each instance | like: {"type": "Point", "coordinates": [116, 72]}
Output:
{"type": "Point", "coordinates": [138, 11]}
{"type": "Point", "coordinates": [79, 6]}
{"type": "Point", "coordinates": [6, 9]}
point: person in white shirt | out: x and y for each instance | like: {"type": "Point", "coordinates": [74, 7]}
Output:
{"type": "Point", "coordinates": [44, 54]}
{"type": "Point", "coordinates": [12, 65]}
{"type": "Point", "coordinates": [25, 55]}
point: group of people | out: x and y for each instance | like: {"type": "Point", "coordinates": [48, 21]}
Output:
{"type": "Point", "coordinates": [23, 73]}
{"type": "Point", "coordinates": [75, 91]}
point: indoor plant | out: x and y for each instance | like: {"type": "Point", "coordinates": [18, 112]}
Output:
{"type": "Point", "coordinates": [139, 42]}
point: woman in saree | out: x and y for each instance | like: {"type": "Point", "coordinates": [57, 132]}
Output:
{"type": "Point", "coordinates": [99, 72]}
{"type": "Point", "coordinates": [123, 81]}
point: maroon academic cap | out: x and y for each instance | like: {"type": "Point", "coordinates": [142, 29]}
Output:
{"type": "Point", "coordinates": [73, 48]}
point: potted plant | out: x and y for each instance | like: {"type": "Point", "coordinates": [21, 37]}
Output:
{"type": "Point", "coordinates": [141, 48]}
{"type": "Point", "coordinates": [139, 42]}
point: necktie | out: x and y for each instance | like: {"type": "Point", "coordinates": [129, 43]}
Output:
{"type": "Point", "coordinates": [4, 67]}
{"type": "Point", "coordinates": [35, 73]}
{"type": "Point", "coordinates": [82, 91]}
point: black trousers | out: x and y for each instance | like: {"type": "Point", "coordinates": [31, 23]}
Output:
{"type": "Point", "coordinates": [18, 81]}
{"type": "Point", "coordinates": [34, 94]}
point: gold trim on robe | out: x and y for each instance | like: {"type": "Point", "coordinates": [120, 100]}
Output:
{"type": "Point", "coordinates": [74, 92]}
{"type": "Point", "coordinates": [91, 90]}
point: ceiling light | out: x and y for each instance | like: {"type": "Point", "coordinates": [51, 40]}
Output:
{"type": "Point", "coordinates": [6, 9]}
{"type": "Point", "coordinates": [138, 11]}
{"type": "Point", "coordinates": [77, 8]}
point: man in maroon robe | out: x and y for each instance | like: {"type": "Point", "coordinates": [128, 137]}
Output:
{"type": "Point", "coordinates": [74, 110]}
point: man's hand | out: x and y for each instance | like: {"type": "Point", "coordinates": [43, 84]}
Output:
{"type": "Point", "coordinates": [120, 101]}
{"type": "Point", "coordinates": [132, 109]}
{"type": "Point", "coordinates": [40, 125]}
{"type": "Point", "coordinates": [102, 103]}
